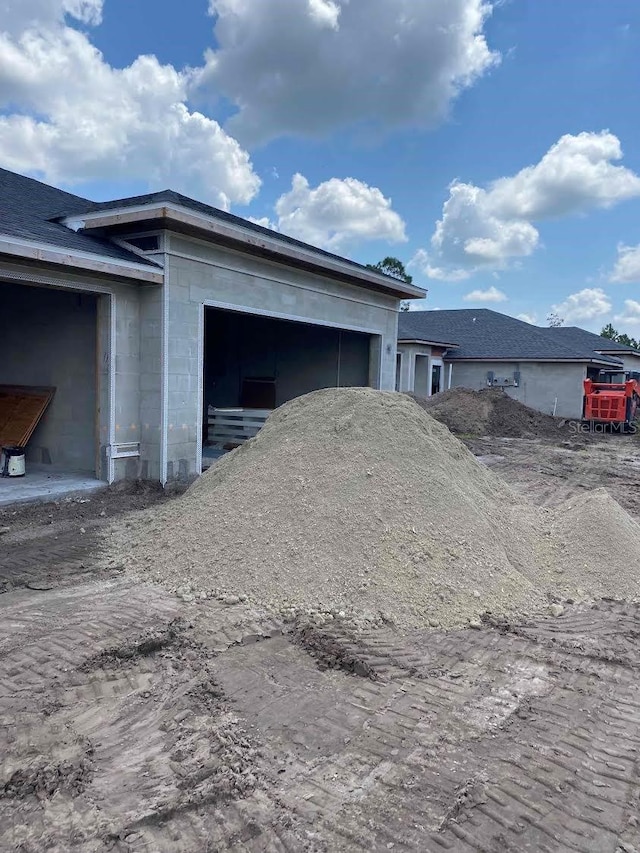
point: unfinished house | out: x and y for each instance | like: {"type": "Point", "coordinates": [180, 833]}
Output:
{"type": "Point", "coordinates": [163, 327]}
{"type": "Point", "coordinates": [544, 368]}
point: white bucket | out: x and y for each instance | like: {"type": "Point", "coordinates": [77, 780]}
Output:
{"type": "Point", "coordinates": [12, 462]}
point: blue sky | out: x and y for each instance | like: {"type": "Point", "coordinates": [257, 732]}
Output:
{"type": "Point", "coordinates": [513, 124]}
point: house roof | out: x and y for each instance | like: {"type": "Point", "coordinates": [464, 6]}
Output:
{"type": "Point", "coordinates": [576, 336]}
{"type": "Point", "coordinates": [28, 209]}
{"type": "Point", "coordinates": [176, 200]}
{"type": "Point", "coordinates": [33, 211]}
{"type": "Point", "coordinates": [486, 335]}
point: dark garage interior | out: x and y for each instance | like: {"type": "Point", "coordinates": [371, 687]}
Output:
{"type": "Point", "coordinates": [48, 338]}
{"type": "Point", "coordinates": [254, 364]}
{"type": "Point", "coordinates": [258, 362]}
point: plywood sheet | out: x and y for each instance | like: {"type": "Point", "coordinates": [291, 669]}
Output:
{"type": "Point", "coordinates": [21, 407]}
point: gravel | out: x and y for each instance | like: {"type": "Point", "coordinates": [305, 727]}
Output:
{"type": "Point", "coordinates": [356, 504]}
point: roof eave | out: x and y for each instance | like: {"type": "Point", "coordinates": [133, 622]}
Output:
{"type": "Point", "coordinates": [428, 343]}
{"type": "Point", "coordinates": [181, 219]}
{"type": "Point", "coordinates": [544, 360]}
{"type": "Point", "coordinates": [49, 253]}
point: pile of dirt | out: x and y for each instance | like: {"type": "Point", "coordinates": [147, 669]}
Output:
{"type": "Point", "coordinates": [490, 411]}
{"type": "Point", "coordinates": [356, 502]}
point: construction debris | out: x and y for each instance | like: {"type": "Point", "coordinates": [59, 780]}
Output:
{"type": "Point", "coordinates": [353, 503]}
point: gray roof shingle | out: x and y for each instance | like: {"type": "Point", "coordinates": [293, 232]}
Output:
{"type": "Point", "coordinates": [575, 336]}
{"type": "Point", "coordinates": [484, 334]}
{"type": "Point", "coordinates": [28, 208]}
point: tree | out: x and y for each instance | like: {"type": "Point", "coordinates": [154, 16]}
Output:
{"type": "Point", "coordinates": [554, 320]}
{"type": "Point", "coordinates": [628, 342]}
{"type": "Point", "coordinates": [394, 268]}
{"type": "Point", "coordinates": [612, 334]}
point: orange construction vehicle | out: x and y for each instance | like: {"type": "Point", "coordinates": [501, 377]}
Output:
{"type": "Point", "coordinates": [613, 399]}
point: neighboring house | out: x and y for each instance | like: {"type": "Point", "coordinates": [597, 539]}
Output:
{"type": "Point", "coordinates": [142, 312]}
{"type": "Point", "coordinates": [575, 336]}
{"type": "Point", "coordinates": [543, 368]}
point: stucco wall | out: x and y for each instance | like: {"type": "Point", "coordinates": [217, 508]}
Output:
{"type": "Point", "coordinates": [200, 274]}
{"type": "Point", "coordinates": [408, 379]}
{"type": "Point", "coordinates": [631, 362]}
{"type": "Point", "coordinates": [540, 383]}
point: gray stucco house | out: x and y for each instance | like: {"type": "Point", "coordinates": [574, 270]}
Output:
{"type": "Point", "coordinates": [543, 368]}
{"type": "Point", "coordinates": [143, 312]}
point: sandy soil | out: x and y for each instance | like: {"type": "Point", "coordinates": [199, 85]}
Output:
{"type": "Point", "coordinates": [131, 720]}
{"type": "Point", "coordinates": [547, 472]}
{"type": "Point", "coordinates": [358, 502]}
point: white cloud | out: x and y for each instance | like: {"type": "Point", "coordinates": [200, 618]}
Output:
{"type": "Point", "coordinates": [588, 304]}
{"type": "Point", "coordinates": [264, 221]}
{"type": "Point", "coordinates": [420, 305]}
{"type": "Point", "coordinates": [325, 13]}
{"type": "Point", "coordinates": [492, 294]}
{"type": "Point", "coordinates": [627, 267]}
{"type": "Point", "coordinates": [631, 313]}
{"type": "Point", "coordinates": [421, 261]}
{"type": "Point", "coordinates": [527, 318]}
{"type": "Point", "coordinates": [16, 16]}
{"type": "Point", "coordinates": [337, 213]}
{"type": "Point", "coordinates": [310, 67]}
{"type": "Point", "coordinates": [70, 117]}
{"type": "Point", "coordinates": [488, 227]}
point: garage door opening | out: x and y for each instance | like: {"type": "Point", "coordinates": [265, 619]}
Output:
{"type": "Point", "coordinates": [48, 339]}
{"type": "Point", "coordinates": [253, 364]}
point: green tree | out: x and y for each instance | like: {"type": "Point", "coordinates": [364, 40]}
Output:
{"type": "Point", "coordinates": [394, 268]}
{"type": "Point", "coordinates": [612, 334]}
{"type": "Point", "coordinates": [609, 332]}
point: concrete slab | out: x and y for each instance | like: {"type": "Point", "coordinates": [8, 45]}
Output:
{"type": "Point", "coordinates": [42, 484]}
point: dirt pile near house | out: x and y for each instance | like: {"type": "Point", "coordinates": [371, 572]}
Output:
{"type": "Point", "coordinates": [591, 534]}
{"type": "Point", "coordinates": [356, 501]}
{"type": "Point", "coordinates": [490, 411]}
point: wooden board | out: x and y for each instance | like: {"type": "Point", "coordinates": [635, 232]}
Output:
{"type": "Point", "coordinates": [235, 425]}
{"type": "Point", "coordinates": [21, 407]}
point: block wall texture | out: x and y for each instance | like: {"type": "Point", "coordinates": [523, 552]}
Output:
{"type": "Point", "coordinates": [234, 280]}
{"type": "Point", "coordinates": [542, 386]}
{"type": "Point", "coordinates": [48, 337]}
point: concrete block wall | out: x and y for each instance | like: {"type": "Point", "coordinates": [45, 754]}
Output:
{"type": "Point", "coordinates": [199, 273]}
{"type": "Point", "coordinates": [123, 308]}
{"type": "Point", "coordinates": [59, 332]}
{"type": "Point", "coordinates": [150, 334]}
{"type": "Point", "coordinates": [541, 384]}
{"type": "Point", "coordinates": [48, 337]}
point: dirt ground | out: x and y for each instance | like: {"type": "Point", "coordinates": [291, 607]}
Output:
{"type": "Point", "coordinates": [548, 472]}
{"type": "Point", "coordinates": [133, 721]}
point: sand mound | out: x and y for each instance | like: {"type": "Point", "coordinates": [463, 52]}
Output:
{"type": "Point", "coordinates": [355, 500]}
{"type": "Point", "coordinates": [596, 544]}
{"type": "Point", "coordinates": [490, 411]}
